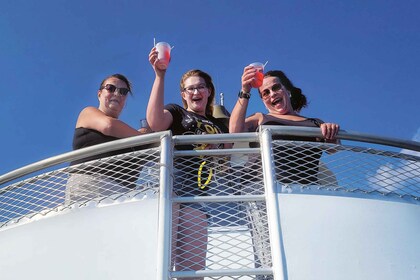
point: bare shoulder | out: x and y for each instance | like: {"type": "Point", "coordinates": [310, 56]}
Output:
{"type": "Point", "coordinates": [256, 116]}
{"type": "Point", "coordinates": [253, 121]}
{"type": "Point", "coordinates": [89, 110]}
{"type": "Point", "coordinates": [87, 115]}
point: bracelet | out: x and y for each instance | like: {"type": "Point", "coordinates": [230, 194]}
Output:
{"type": "Point", "coordinates": [246, 95]}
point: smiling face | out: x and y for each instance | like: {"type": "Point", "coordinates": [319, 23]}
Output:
{"type": "Point", "coordinates": [112, 103]}
{"type": "Point", "coordinates": [195, 94]}
{"type": "Point", "coordinates": [275, 96]}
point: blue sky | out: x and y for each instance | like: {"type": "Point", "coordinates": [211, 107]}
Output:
{"type": "Point", "coordinates": [358, 62]}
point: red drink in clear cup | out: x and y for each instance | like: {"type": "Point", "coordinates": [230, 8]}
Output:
{"type": "Point", "coordinates": [164, 55]}
{"type": "Point", "coordinates": [259, 75]}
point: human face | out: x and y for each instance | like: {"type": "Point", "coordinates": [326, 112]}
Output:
{"type": "Point", "coordinates": [275, 96]}
{"type": "Point", "coordinates": [196, 94]}
{"type": "Point", "coordinates": [112, 103]}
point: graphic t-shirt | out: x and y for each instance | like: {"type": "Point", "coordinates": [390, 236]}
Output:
{"type": "Point", "coordinates": [189, 123]}
{"type": "Point", "coordinates": [195, 172]}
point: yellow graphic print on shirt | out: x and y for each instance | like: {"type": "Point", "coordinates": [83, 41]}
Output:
{"type": "Point", "coordinates": [204, 127]}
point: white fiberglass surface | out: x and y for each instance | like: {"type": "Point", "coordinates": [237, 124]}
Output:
{"type": "Point", "coordinates": [117, 241]}
{"type": "Point", "coordinates": [333, 237]}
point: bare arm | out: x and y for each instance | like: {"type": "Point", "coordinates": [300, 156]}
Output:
{"type": "Point", "coordinates": [238, 121]}
{"type": "Point", "coordinates": [237, 118]}
{"type": "Point", "coordinates": [158, 118]}
{"type": "Point", "coordinates": [93, 118]}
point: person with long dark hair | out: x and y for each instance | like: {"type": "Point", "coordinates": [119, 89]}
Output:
{"type": "Point", "coordinates": [293, 165]}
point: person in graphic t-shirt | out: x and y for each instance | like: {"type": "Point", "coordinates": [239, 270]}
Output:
{"type": "Point", "coordinates": [194, 177]}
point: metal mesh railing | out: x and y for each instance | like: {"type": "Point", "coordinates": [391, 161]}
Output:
{"type": "Point", "coordinates": [223, 226]}
{"type": "Point", "coordinates": [348, 168]}
{"type": "Point", "coordinates": [220, 206]}
{"type": "Point", "coordinates": [216, 222]}
{"type": "Point", "coordinates": [124, 175]}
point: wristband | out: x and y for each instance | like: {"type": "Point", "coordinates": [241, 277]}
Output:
{"type": "Point", "coordinates": [245, 95]}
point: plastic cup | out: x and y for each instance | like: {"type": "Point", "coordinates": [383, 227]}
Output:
{"type": "Point", "coordinates": [164, 55]}
{"type": "Point", "coordinates": [144, 126]}
{"type": "Point", "coordinates": [259, 75]}
{"type": "Point", "coordinates": [143, 123]}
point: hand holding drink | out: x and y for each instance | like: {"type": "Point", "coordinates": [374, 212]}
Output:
{"type": "Point", "coordinates": [259, 74]}
{"type": "Point", "coordinates": [164, 55]}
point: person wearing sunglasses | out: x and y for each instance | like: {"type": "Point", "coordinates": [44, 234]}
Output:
{"type": "Point", "coordinates": [283, 101]}
{"type": "Point", "coordinates": [299, 166]}
{"type": "Point", "coordinates": [97, 125]}
{"type": "Point", "coordinates": [194, 176]}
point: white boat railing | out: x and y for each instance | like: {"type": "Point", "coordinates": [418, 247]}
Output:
{"type": "Point", "coordinates": [240, 189]}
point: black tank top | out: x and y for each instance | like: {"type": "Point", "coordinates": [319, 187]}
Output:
{"type": "Point", "coordinates": [124, 170]}
{"type": "Point", "coordinates": [298, 165]}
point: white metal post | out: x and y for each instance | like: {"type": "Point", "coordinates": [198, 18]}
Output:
{"type": "Point", "coordinates": [273, 210]}
{"type": "Point", "coordinates": [165, 208]}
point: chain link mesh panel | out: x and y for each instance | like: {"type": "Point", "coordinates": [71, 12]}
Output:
{"type": "Point", "coordinates": [352, 169]}
{"type": "Point", "coordinates": [220, 230]}
{"type": "Point", "coordinates": [108, 178]}
{"type": "Point", "coordinates": [234, 234]}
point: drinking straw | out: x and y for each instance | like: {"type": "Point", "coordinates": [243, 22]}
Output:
{"type": "Point", "coordinates": [154, 42]}
{"type": "Point", "coordinates": [265, 63]}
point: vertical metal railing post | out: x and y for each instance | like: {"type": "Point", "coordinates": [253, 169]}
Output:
{"type": "Point", "coordinates": [165, 208]}
{"type": "Point", "coordinates": [273, 210]}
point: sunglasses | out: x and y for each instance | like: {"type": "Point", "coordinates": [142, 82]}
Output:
{"type": "Point", "coordinates": [112, 89]}
{"type": "Point", "coordinates": [265, 94]}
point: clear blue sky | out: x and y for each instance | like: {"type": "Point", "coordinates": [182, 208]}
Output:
{"type": "Point", "coordinates": [358, 62]}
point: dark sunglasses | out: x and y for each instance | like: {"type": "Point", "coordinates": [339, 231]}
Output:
{"type": "Point", "coordinates": [275, 88]}
{"type": "Point", "coordinates": [112, 89]}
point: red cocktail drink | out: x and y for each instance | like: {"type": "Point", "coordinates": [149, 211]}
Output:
{"type": "Point", "coordinates": [259, 75]}
{"type": "Point", "coordinates": [164, 55]}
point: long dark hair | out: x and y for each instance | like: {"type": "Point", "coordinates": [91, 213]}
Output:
{"type": "Point", "coordinates": [297, 98]}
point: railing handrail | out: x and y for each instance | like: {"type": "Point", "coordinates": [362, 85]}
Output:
{"type": "Point", "coordinates": [208, 138]}
{"type": "Point", "coordinates": [345, 135]}
{"type": "Point", "coordinates": [216, 138]}
{"type": "Point", "coordinates": [83, 153]}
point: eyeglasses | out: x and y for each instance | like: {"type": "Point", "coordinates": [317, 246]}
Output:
{"type": "Point", "coordinates": [112, 89]}
{"type": "Point", "coordinates": [265, 94]}
{"type": "Point", "coordinates": [200, 88]}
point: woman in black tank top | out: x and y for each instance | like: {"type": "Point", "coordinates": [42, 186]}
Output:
{"type": "Point", "coordinates": [292, 166]}
{"type": "Point", "coordinates": [96, 126]}
{"type": "Point", "coordinates": [283, 102]}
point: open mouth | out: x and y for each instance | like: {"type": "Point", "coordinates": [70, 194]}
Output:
{"type": "Point", "coordinates": [277, 101]}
